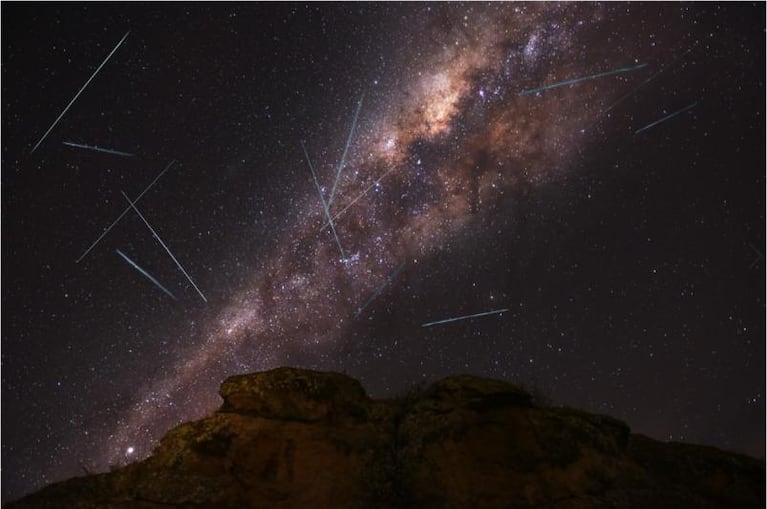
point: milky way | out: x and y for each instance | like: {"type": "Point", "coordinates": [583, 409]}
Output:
{"type": "Point", "coordinates": [447, 149]}
{"type": "Point", "coordinates": [458, 139]}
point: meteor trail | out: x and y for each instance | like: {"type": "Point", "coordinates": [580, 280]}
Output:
{"type": "Point", "coordinates": [133, 205]}
{"type": "Point", "coordinates": [585, 78]}
{"type": "Point", "coordinates": [633, 91]}
{"type": "Point", "coordinates": [667, 117]}
{"type": "Point", "coordinates": [636, 89]}
{"type": "Point", "coordinates": [648, 80]}
{"type": "Point", "coordinates": [97, 149]}
{"type": "Point", "coordinates": [346, 149]}
{"type": "Point", "coordinates": [80, 92]}
{"type": "Point", "coordinates": [325, 206]}
{"type": "Point", "coordinates": [124, 212]}
{"type": "Point", "coordinates": [145, 273]}
{"type": "Point", "coordinates": [448, 320]}
{"type": "Point", "coordinates": [357, 198]}
{"type": "Point", "coordinates": [380, 289]}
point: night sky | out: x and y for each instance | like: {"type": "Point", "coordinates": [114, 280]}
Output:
{"type": "Point", "coordinates": [631, 264]}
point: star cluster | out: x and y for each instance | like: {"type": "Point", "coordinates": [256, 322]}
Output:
{"type": "Point", "coordinates": [630, 264]}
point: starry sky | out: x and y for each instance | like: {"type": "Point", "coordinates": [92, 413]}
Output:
{"type": "Point", "coordinates": [630, 264]}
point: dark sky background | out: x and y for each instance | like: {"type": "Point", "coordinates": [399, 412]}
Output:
{"type": "Point", "coordinates": [630, 264]}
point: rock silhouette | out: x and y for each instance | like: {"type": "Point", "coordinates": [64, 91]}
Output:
{"type": "Point", "coordinates": [290, 438]}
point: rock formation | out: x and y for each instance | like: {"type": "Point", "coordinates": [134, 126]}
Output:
{"type": "Point", "coordinates": [291, 438]}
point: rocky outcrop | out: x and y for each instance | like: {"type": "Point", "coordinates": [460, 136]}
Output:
{"type": "Point", "coordinates": [290, 438]}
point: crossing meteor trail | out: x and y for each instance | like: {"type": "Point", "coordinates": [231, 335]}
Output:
{"type": "Point", "coordinates": [585, 78]}
{"type": "Point", "coordinates": [97, 149]}
{"type": "Point", "coordinates": [667, 117]}
{"type": "Point", "coordinates": [80, 92]}
{"type": "Point", "coordinates": [357, 198]}
{"type": "Point", "coordinates": [325, 205]}
{"type": "Point", "coordinates": [133, 205]}
{"type": "Point", "coordinates": [378, 291]}
{"type": "Point", "coordinates": [346, 149]}
{"type": "Point", "coordinates": [123, 213]}
{"type": "Point", "coordinates": [448, 320]}
{"type": "Point", "coordinates": [422, 150]}
{"type": "Point", "coordinates": [145, 273]}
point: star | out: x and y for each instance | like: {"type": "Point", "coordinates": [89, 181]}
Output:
{"type": "Point", "coordinates": [487, 198]}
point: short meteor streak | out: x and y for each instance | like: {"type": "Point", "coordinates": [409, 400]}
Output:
{"type": "Point", "coordinates": [325, 206]}
{"type": "Point", "coordinates": [145, 273]}
{"type": "Point", "coordinates": [648, 80]}
{"type": "Point", "coordinates": [357, 198]}
{"type": "Point", "coordinates": [346, 149]}
{"type": "Point", "coordinates": [585, 78]}
{"type": "Point", "coordinates": [97, 149]}
{"type": "Point", "coordinates": [133, 205]}
{"type": "Point", "coordinates": [448, 320]}
{"type": "Point", "coordinates": [124, 212]}
{"type": "Point", "coordinates": [380, 289]}
{"type": "Point", "coordinates": [667, 117]}
{"type": "Point", "coordinates": [80, 92]}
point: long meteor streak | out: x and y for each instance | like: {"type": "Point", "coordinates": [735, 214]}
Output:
{"type": "Point", "coordinates": [448, 320]}
{"type": "Point", "coordinates": [357, 198]}
{"type": "Point", "coordinates": [133, 205]}
{"type": "Point", "coordinates": [97, 149]}
{"type": "Point", "coordinates": [346, 149]}
{"type": "Point", "coordinates": [147, 274]}
{"type": "Point", "coordinates": [585, 78]}
{"type": "Point", "coordinates": [80, 92]}
{"type": "Point", "coordinates": [124, 212]}
{"type": "Point", "coordinates": [667, 117]}
{"type": "Point", "coordinates": [325, 205]}
{"type": "Point", "coordinates": [380, 289]}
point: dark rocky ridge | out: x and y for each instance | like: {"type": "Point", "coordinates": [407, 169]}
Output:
{"type": "Point", "coordinates": [296, 438]}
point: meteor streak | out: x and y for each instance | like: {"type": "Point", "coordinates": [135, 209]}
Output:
{"type": "Point", "coordinates": [145, 273]}
{"type": "Point", "coordinates": [80, 92]}
{"type": "Point", "coordinates": [357, 198]}
{"type": "Point", "coordinates": [667, 117]}
{"type": "Point", "coordinates": [325, 206]}
{"type": "Point", "coordinates": [648, 80]}
{"type": "Point", "coordinates": [97, 149]}
{"type": "Point", "coordinates": [585, 78]}
{"type": "Point", "coordinates": [346, 149]}
{"type": "Point", "coordinates": [379, 289]}
{"type": "Point", "coordinates": [448, 320]}
{"type": "Point", "coordinates": [124, 212]}
{"type": "Point", "coordinates": [133, 205]}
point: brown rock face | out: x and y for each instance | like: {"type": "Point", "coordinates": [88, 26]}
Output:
{"type": "Point", "coordinates": [290, 438]}
{"type": "Point", "coordinates": [293, 395]}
